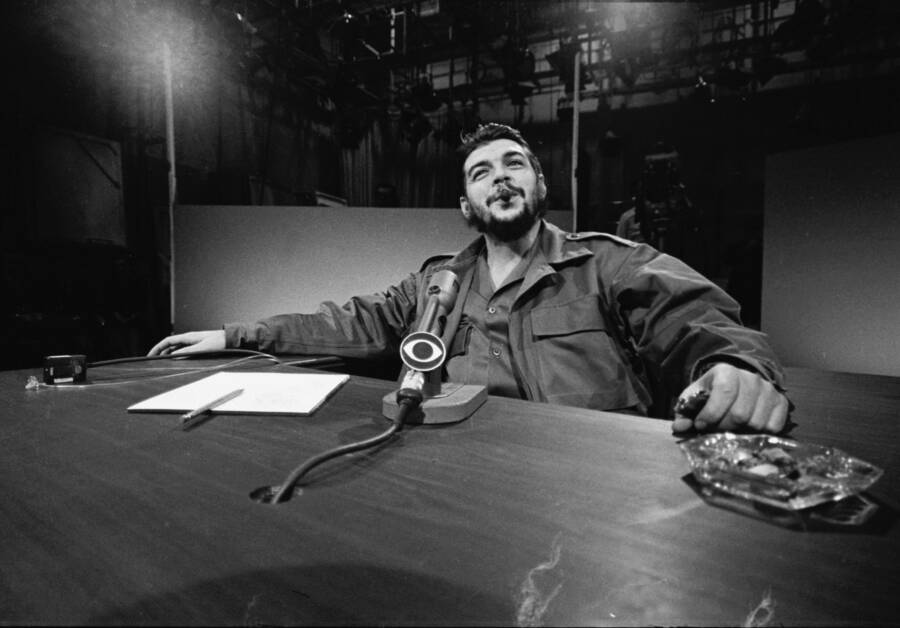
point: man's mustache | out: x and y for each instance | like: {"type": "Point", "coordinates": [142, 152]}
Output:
{"type": "Point", "coordinates": [504, 193]}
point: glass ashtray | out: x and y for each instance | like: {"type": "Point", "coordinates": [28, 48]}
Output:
{"type": "Point", "coordinates": [777, 471]}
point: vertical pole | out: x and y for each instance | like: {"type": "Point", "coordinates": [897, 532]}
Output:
{"type": "Point", "coordinates": [170, 157]}
{"type": "Point", "coordinates": [575, 102]}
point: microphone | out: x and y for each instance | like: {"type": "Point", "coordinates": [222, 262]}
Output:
{"type": "Point", "coordinates": [423, 352]}
{"type": "Point", "coordinates": [423, 349]}
{"type": "Point", "coordinates": [441, 297]}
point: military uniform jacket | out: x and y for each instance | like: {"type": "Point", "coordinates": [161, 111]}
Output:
{"type": "Point", "coordinates": [598, 322]}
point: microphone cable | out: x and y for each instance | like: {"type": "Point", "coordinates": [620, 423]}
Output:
{"type": "Point", "coordinates": [184, 356]}
{"type": "Point", "coordinates": [33, 383]}
{"type": "Point", "coordinates": [248, 355]}
{"type": "Point", "coordinates": [408, 400]}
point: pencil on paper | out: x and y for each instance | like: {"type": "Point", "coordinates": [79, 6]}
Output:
{"type": "Point", "coordinates": [192, 417]}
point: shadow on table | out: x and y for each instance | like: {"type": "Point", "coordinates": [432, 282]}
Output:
{"type": "Point", "coordinates": [329, 594]}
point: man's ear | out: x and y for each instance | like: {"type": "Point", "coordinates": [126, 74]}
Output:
{"type": "Point", "coordinates": [464, 206]}
{"type": "Point", "coordinates": [541, 188]}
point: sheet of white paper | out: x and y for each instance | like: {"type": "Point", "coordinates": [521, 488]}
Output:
{"type": "Point", "coordinates": [264, 393]}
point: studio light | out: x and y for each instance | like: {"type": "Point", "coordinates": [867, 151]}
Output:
{"type": "Point", "coordinates": [732, 78]}
{"type": "Point", "coordinates": [563, 61]}
{"type": "Point", "coordinates": [424, 97]}
{"type": "Point", "coordinates": [703, 91]}
{"type": "Point", "coordinates": [624, 70]}
{"type": "Point", "coordinates": [767, 66]}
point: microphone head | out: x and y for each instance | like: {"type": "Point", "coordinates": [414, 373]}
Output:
{"type": "Point", "coordinates": [444, 285]}
{"type": "Point", "coordinates": [422, 351]}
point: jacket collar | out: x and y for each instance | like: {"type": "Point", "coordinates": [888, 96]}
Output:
{"type": "Point", "coordinates": [559, 247]}
{"type": "Point", "coordinates": [555, 249]}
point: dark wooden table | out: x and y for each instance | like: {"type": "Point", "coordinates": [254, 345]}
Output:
{"type": "Point", "coordinates": [525, 514]}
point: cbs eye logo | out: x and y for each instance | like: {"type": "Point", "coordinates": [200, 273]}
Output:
{"type": "Point", "coordinates": [422, 351]}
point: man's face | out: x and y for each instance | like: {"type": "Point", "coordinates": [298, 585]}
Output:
{"type": "Point", "coordinates": [503, 192]}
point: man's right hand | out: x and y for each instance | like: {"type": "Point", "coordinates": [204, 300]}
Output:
{"type": "Point", "coordinates": [190, 342]}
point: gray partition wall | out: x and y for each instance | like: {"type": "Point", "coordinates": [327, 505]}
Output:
{"type": "Point", "coordinates": [242, 263]}
{"type": "Point", "coordinates": [831, 260]}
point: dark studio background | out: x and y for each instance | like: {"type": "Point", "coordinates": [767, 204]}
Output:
{"type": "Point", "coordinates": [303, 102]}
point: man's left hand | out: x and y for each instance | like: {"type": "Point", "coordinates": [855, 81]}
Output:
{"type": "Point", "coordinates": [738, 399]}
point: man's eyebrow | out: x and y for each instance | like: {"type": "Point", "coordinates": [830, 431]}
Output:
{"type": "Point", "coordinates": [483, 162]}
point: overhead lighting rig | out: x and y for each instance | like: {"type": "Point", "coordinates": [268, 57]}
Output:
{"type": "Point", "coordinates": [563, 61]}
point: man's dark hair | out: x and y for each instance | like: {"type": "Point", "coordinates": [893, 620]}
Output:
{"type": "Point", "coordinates": [487, 133]}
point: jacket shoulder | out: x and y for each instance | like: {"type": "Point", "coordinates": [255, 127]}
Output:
{"type": "Point", "coordinates": [435, 260]}
{"type": "Point", "coordinates": [586, 236]}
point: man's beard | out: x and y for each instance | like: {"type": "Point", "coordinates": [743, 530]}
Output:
{"type": "Point", "coordinates": [506, 230]}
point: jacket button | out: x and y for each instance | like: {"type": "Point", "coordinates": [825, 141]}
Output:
{"type": "Point", "coordinates": [495, 352]}
{"type": "Point", "coordinates": [492, 310]}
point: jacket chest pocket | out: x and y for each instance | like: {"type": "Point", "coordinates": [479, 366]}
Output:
{"type": "Point", "coordinates": [578, 361]}
{"type": "Point", "coordinates": [581, 315]}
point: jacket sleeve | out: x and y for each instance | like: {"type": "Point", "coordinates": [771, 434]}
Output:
{"type": "Point", "coordinates": [680, 323]}
{"type": "Point", "coordinates": [365, 327]}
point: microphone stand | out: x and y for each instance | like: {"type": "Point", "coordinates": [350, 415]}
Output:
{"type": "Point", "coordinates": [442, 402]}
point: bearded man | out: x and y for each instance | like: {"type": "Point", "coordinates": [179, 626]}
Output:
{"type": "Point", "coordinates": [581, 319]}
